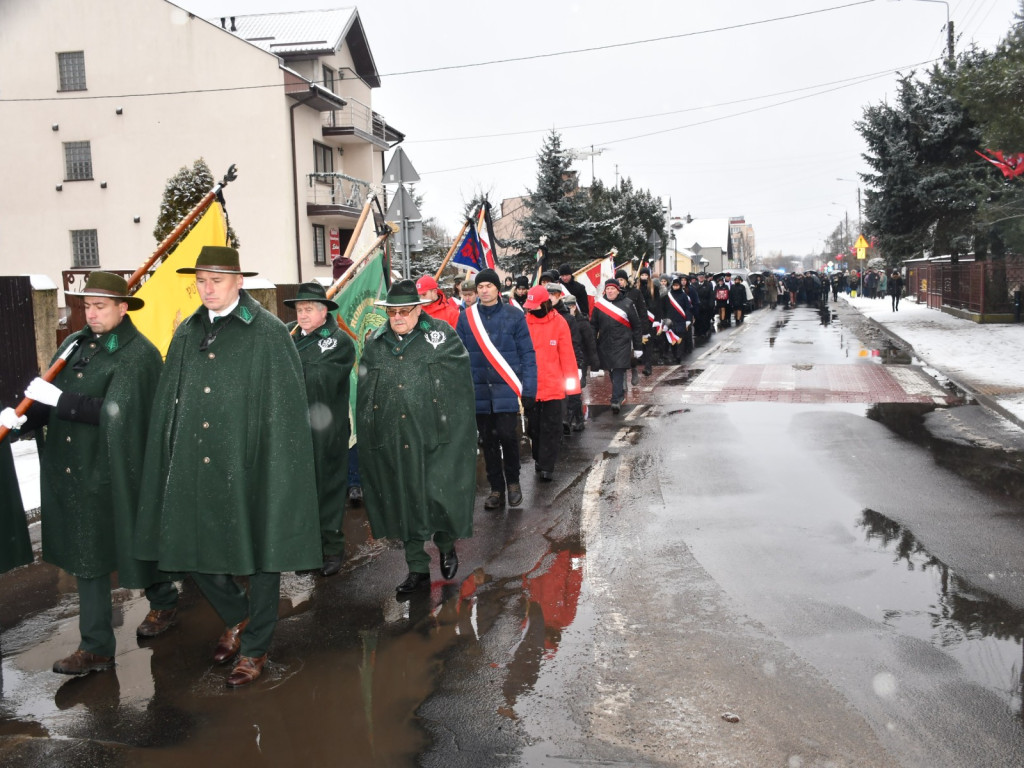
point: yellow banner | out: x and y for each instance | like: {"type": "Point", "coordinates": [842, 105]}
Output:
{"type": "Point", "coordinates": [171, 297]}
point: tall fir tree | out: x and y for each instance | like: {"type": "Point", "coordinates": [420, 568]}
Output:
{"type": "Point", "coordinates": [556, 209]}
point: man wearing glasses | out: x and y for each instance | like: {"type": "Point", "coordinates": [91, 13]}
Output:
{"type": "Point", "coordinates": [417, 437]}
{"type": "Point", "coordinates": [228, 488]}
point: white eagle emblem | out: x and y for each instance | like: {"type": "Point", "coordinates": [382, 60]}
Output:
{"type": "Point", "coordinates": [326, 345]}
{"type": "Point", "coordinates": [435, 338]}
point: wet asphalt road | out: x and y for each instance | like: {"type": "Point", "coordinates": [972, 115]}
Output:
{"type": "Point", "coordinates": [798, 528]}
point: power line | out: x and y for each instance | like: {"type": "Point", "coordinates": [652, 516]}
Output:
{"type": "Point", "coordinates": [612, 46]}
{"type": "Point", "coordinates": [864, 79]}
{"type": "Point", "coordinates": [856, 80]}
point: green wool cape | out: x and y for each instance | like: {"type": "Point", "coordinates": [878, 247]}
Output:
{"type": "Point", "coordinates": [228, 486]}
{"type": "Point", "coordinates": [416, 422]}
{"type": "Point", "coordinates": [327, 356]}
{"type": "Point", "coordinates": [90, 474]}
{"type": "Point", "coordinates": [15, 547]}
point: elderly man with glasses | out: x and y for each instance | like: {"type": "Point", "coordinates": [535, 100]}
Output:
{"type": "Point", "coordinates": [417, 435]}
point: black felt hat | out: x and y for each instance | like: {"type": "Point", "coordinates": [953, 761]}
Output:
{"type": "Point", "coordinates": [312, 292]}
{"type": "Point", "coordinates": [402, 294]}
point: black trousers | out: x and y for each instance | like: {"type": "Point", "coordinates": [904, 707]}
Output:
{"type": "Point", "coordinates": [544, 426]}
{"type": "Point", "coordinates": [500, 447]}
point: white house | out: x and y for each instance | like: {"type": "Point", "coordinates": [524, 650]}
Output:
{"type": "Point", "coordinates": [101, 102]}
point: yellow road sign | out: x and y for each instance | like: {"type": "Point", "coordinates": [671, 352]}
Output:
{"type": "Point", "coordinates": [861, 244]}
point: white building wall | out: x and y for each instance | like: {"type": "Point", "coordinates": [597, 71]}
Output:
{"type": "Point", "coordinates": [130, 56]}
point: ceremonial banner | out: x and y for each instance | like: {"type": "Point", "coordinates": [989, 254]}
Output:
{"type": "Point", "coordinates": [469, 253]}
{"type": "Point", "coordinates": [171, 297]}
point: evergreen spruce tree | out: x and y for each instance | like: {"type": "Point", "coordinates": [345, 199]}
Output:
{"type": "Point", "coordinates": [183, 191]}
{"type": "Point", "coordinates": [556, 210]}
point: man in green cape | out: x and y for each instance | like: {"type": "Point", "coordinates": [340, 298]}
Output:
{"type": "Point", "coordinates": [96, 412]}
{"type": "Point", "coordinates": [416, 421]}
{"type": "Point", "coordinates": [327, 355]}
{"type": "Point", "coordinates": [228, 487]}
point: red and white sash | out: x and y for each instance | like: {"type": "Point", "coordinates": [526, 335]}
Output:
{"type": "Point", "coordinates": [655, 322]}
{"type": "Point", "coordinates": [672, 338]}
{"type": "Point", "coordinates": [491, 352]}
{"type": "Point", "coordinates": [612, 311]}
{"type": "Point", "coordinates": [679, 309]}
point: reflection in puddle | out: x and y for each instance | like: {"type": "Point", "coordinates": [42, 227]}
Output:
{"type": "Point", "coordinates": [982, 632]}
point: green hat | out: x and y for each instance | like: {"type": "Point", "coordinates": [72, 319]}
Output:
{"type": "Point", "coordinates": [108, 286]}
{"type": "Point", "coordinates": [312, 292]}
{"type": "Point", "coordinates": [216, 258]}
{"type": "Point", "coordinates": [402, 294]}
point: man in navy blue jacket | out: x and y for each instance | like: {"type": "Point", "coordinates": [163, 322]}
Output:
{"type": "Point", "coordinates": [504, 370]}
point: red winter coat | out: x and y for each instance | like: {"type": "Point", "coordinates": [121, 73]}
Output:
{"type": "Point", "coordinates": [556, 360]}
{"type": "Point", "coordinates": [443, 309]}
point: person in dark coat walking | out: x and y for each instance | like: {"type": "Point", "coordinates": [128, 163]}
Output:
{"type": "Point", "coordinates": [417, 435]}
{"type": "Point", "coordinates": [619, 337]}
{"type": "Point", "coordinates": [575, 287]}
{"type": "Point", "coordinates": [586, 360]}
{"type": "Point", "coordinates": [504, 369]}
{"type": "Point", "coordinates": [677, 313]}
{"type": "Point", "coordinates": [229, 487]}
{"type": "Point", "coordinates": [652, 307]}
{"type": "Point", "coordinates": [894, 288]}
{"type": "Point", "coordinates": [327, 355]}
{"type": "Point", "coordinates": [704, 322]}
{"type": "Point", "coordinates": [633, 294]}
{"type": "Point", "coordinates": [96, 412]}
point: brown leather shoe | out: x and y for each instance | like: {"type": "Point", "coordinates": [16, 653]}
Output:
{"type": "Point", "coordinates": [246, 670]}
{"type": "Point", "coordinates": [82, 663]}
{"type": "Point", "coordinates": [157, 622]}
{"type": "Point", "coordinates": [229, 643]}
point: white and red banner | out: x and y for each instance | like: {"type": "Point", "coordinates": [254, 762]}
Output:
{"type": "Point", "coordinates": [491, 352]}
{"type": "Point", "coordinates": [483, 231]}
{"type": "Point", "coordinates": [678, 308]}
{"type": "Point", "coordinates": [593, 278]}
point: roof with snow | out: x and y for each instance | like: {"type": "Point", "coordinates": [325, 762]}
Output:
{"type": "Point", "coordinates": [705, 233]}
{"type": "Point", "coordinates": [302, 34]}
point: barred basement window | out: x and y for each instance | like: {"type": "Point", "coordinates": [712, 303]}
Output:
{"type": "Point", "coordinates": [319, 245]}
{"type": "Point", "coordinates": [85, 249]}
{"type": "Point", "coordinates": [71, 66]}
{"type": "Point", "coordinates": [77, 161]}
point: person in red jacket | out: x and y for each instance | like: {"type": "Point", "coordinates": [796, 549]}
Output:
{"type": "Point", "coordinates": [556, 378]}
{"type": "Point", "coordinates": [440, 306]}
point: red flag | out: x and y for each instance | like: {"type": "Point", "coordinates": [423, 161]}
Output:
{"type": "Point", "coordinates": [1011, 164]}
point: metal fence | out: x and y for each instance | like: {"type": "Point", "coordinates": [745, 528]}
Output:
{"type": "Point", "coordinates": [336, 189]}
{"type": "Point", "coordinates": [980, 287]}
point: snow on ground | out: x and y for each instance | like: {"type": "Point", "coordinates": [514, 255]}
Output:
{"type": "Point", "coordinates": [988, 359]}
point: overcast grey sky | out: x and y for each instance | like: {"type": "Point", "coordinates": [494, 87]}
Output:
{"type": "Point", "coordinates": [748, 109]}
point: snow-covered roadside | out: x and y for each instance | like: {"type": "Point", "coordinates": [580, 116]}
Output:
{"type": "Point", "coordinates": [988, 359]}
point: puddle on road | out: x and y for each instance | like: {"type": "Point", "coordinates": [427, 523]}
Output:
{"type": "Point", "coordinates": [684, 377]}
{"type": "Point", "coordinates": [984, 633]}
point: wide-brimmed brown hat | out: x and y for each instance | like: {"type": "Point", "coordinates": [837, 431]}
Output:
{"type": "Point", "coordinates": [108, 286]}
{"type": "Point", "coordinates": [312, 292]}
{"type": "Point", "coordinates": [402, 294]}
{"type": "Point", "coordinates": [217, 258]}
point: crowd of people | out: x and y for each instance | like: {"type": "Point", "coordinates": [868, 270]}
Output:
{"type": "Point", "coordinates": [229, 461]}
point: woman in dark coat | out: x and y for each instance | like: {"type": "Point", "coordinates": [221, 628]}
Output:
{"type": "Point", "coordinates": [895, 289]}
{"type": "Point", "coordinates": [619, 337]}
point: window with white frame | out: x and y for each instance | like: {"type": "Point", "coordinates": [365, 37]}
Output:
{"type": "Point", "coordinates": [77, 161]}
{"type": "Point", "coordinates": [85, 249]}
{"type": "Point", "coordinates": [71, 68]}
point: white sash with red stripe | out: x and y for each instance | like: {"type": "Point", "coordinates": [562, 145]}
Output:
{"type": "Point", "coordinates": [679, 309]}
{"type": "Point", "coordinates": [612, 311]}
{"type": "Point", "coordinates": [491, 352]}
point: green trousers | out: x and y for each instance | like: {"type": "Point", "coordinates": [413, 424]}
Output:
{"type": "Point", "coordinates": [417, 558]}
{"type": "Point", "coordinates": [232, 604]}
{"type": "Point", "coordinates": [96, 615]}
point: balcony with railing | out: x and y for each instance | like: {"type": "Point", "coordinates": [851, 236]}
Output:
{"type": "Point", "coordinates": [335, 194]}
{"type": "Point", "coordinates": [357, 121]}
